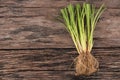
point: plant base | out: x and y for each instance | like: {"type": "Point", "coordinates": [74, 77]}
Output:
{"type": "Point", "coordinates": [86, 64]}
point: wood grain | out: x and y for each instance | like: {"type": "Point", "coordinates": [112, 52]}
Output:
{"type": "Point", "coordinates": [34, 45]}
{"type": "Point", "coordinates": [49, 12]}
{"type": "Point", "coordinates": [57, 3]}
{"type": "Point", "coordinates": [28, 12]}
{"type": "Point", "coordinates": [42, 30]}
{"type": "Point", "coordinates": [55, 63]}
{"type": "Point", "coordinates": [58, 75]}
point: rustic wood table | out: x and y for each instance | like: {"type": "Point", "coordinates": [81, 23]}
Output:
{"type": "Point", "coordinates": [34, 45]}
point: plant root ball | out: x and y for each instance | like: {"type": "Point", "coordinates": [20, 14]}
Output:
{"type": "Point", "coordinates": [86, 64]}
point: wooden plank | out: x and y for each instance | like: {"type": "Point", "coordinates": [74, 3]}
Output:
{"type": "Point", "coordinates": [54, 59]}
{"type": "Point", "coordinates": [53, 12]}
{"type": "Point", "coordinates": [35, 3]}
{"type": "Point", "coordinates": [41, 30]}
{"type": "Point", "coordinates": [30, 12]}
{"type": "Point", "coordinates": [52, 64]}
{"type": "Point", "coordinates": [57, 3]}
{"type": "Point", "coordinates": [58, 75]}
{"type": "Point", "coordinates": [97, 3]}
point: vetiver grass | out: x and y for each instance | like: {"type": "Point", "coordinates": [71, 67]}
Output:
{"type": "Point", "coordinates": [80, 22]}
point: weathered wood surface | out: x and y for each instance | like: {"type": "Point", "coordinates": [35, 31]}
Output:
{"type": "Point", "coordinates": [23, 27]}
{"type": "Point", "coordinates": [54, 64]}
{"type": "Point", "coordinates": [26, 25]}
{"type": "Point", "coordinates": [58, 75]}
{"type": "Point", "coordinates": [57, 3]}
{"type": "Point", "coordinates": [36, 46]}
{"type": "Point", "coordinates": [47, 12]}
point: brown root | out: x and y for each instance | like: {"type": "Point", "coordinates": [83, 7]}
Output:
{"type": "Point", "coordinates": [86, 64]}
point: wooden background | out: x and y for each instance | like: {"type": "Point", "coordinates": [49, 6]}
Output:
{"type": "Point", "coordinates": [34, 45]}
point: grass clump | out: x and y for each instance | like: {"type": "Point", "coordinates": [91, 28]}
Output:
{"type": "Point", "coordinates": [80, 22]}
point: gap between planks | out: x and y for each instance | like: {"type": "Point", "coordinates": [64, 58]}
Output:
{"type": "Point", "coordinates": [7, 49]}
